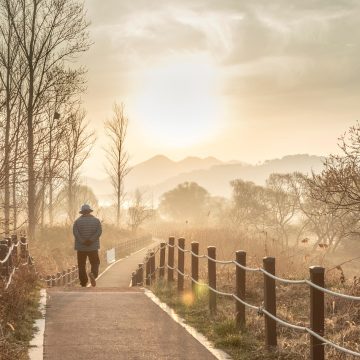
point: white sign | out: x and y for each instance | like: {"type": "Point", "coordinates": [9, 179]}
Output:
{"type": "Point", "coordinates": [110, 255]}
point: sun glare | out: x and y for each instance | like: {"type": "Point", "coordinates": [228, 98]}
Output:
{"type": "Point", "coordinates": [178, 103]}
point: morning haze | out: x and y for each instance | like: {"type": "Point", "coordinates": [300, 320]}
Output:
{"type": "Point", "coordinates": [179, 179]}
{"type": "Point", "coordinates": [280, 75]}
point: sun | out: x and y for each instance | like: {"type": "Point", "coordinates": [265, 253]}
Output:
{"type": "Point", "coordinates": [178, 103]}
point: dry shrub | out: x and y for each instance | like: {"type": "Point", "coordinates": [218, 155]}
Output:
{"type": "Point", "coordinates": [18, 309]}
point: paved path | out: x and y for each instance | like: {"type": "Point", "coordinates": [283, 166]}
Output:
{"type": "Point", "coordinates": [113, 321]}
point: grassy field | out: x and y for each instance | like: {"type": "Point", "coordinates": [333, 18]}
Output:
{"type": "Point", "coordinates": [342, 316]}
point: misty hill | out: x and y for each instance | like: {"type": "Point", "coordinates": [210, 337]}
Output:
{"type": "Point", "coordinates": [159, 168]}
{"type": "Point", "coordinates": [160, 174]}
{"type": "Point", "coordinates": [150, 173]}
{"type": "Point", "coordinates": [217, 179]}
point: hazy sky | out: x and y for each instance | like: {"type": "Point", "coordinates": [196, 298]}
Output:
{"type": "Point", "coordinates": [245, 80]}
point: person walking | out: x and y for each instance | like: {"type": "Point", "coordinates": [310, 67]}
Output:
{"type": "Point", "coordinates": [87, 231]}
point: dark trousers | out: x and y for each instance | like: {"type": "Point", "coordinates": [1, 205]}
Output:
{"type": "Point", "coordinates": [94, 262]}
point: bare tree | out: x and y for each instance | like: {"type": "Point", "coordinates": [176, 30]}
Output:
{"type": "Point", "coordinates": [116, 154]}
{"type": "Point", "coordinates": [338, 185]}
{"type": "Point", "coordinates": [77, 144]}
{"type": "Point", "coordinates": [249, 207]}
{"type": "Point", "coordinates": [49, 33]}
{"type": "Point", "coordinates": [282, 203]}
{"type": "Point", "coordinates": [138, 212]}
{"type": "Point", "coordinates": [11, 75]}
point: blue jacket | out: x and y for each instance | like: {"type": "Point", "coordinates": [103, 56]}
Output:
{"type": "Point", "coordinates": [87, 230]}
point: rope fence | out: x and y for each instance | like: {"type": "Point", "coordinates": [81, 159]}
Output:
{"type": "Point", "coordinates": [146, 274]}
{"type": "Point", "coordinates": [14, 253]}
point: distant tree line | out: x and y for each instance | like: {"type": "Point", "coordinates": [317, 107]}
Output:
{"type": "Point", "coordinates": [322, 209]}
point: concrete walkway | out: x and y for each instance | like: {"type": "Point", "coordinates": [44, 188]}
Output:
{"type": "Point", "coordinates": [113, 321]}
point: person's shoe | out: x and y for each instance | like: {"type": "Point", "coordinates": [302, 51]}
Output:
{"type": "Point", "coordinates": [92, 279]}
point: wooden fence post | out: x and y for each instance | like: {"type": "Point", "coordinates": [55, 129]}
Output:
{"type": "Point", "coordinates": [64, 278]}
{"type": "Point", "coordinates": [181, 264]}
{"type": "Point", "coordinates": [162, 259]}
{"type": "Point", "coordinates": [58, 279]}
{"type": "Point", "coordinates": [212, 278]}
{"type": "Point", "coordinates": [75, 275]}
{"type": "Point", "coordinates": [147, 271]}
{"type": "Point", "coordinates": [171, 259]}
{"type": "Point", "coordinates": [53, 281]}
{"type": "Point", "coordinates": [133, 278]}
{"type": "Point", "coordinates": [5, 271]}
{"type": "Point", "coordinates": [317, 311]}
{"type": "Point", "coordinates": [240, 289]}
{"type": "Point", "coordinates": [152, 267]}
{"type": "Point", "coordinates": [48, 281]}
{"type": "Point", "coordinates": [270, 301]}
{"type": "Point", "coordinates": [23, 248]}
{"type": "Point", "coordinates": [14, 240]}
{"type": "Point", "coordinates": [68, 276]}
{"type": "Point", "coordinates": [194, 264]}
{"type": "Point", "coordinates": [140, 276]}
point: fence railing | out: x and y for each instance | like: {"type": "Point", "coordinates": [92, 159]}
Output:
{"type": "Point", "coordinates": [14, 253]}
{"type": "Point", "coordinates": [146, 274]}
{"type": "Point", "coordinates": [62, 278]}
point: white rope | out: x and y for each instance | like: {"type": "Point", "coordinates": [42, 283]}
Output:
{"type": "Point", "coordinates": [197, 255]}
{"type": "Point", "coordinates": [181, 249]}
{"type": "Point", "coordinates": [282, 322]}
{"type": "Point", "coordinates": [225, 262]}
{"type": "Point", "coordinates": [10, 278]}
{"type": "Point", "coordinates": [219, 292]}
{"type": "Point", "coordinates": [151, 274]}
{"type": "Point", "coordinates": [7, 255]}
{"type": "Point", "coordinates": [344, 296]}
{"type": "Point", "coordinates": [286, 281]}
{"type": "Point", "coordinates": [328, 342]}
{"type": "Point", "coordinates": [246, 268]}
{"type": "Point", "coordinates": [181, 273]}
{"type": "Point", "coordinates": [245, 303]}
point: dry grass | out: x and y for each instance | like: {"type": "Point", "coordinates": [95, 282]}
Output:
{"type": "Point", "coordinates": [18, 310]}
{"type": "Point", "coordinates": [342, 316]}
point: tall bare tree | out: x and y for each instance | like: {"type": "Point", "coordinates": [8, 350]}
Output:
{"type": "Point", "coordinates": [49, 34]}
{"type": "Point", "coordinates": [117, 156]}
{"type": "Point", "coordinates": [11, 76]}
{"type": "Point", "coordinates": [77, 144]}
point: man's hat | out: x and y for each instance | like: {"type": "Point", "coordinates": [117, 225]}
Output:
{"type": "Point", "coordinates": [85, 209]}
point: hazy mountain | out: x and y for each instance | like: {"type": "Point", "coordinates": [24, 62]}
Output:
{"type": "Point", "coordinates": [160, 174]}
{"type": "Point", "coordinates": [150, 173]}
{"type": "Point", "coordinates": [217, 179]}
{"type": "Point", "coordinates": [159, 168]}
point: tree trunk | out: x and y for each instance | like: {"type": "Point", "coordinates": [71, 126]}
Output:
{"type": "Point", "coordinates": [7, 168]}
{"type": "Point", "coordinates": [31, 161]}
{"type": "Point", "coordinates": [51, 190]}
{"type": "Point", "coordinates": [7, 140]}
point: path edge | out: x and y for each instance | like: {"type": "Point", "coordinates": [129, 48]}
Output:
{"type": "Point", "coordinates": [36, 345]}
{"type": "Point", "coordinates": [219, 354]}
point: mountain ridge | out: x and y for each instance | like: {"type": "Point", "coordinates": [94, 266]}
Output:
{"type": "Point", "coordinates": [159, 173]}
